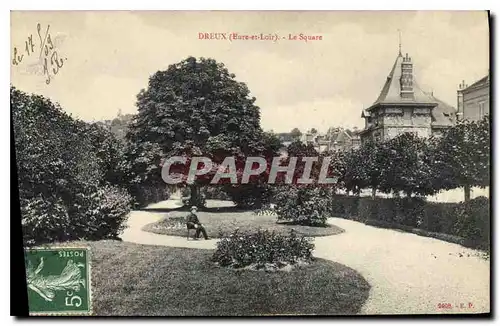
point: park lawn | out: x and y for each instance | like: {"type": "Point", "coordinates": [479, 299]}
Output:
{"type": "Point", "coordinates": [173, 223]}
{"type": "Point", "coordinates": [137, 280]}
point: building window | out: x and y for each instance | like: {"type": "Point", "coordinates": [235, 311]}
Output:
{"type": "Point", "coordinates": [481, 109]}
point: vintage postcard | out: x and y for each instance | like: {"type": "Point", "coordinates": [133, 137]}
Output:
{"type": "Point", "coordinates": [253, 163]}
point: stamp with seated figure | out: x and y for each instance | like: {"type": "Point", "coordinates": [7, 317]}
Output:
{"type": "Point", "coordinates": [58, 280]}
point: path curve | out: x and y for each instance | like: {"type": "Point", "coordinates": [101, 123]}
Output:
{"type": "Point", "coordinates": [408, 274]}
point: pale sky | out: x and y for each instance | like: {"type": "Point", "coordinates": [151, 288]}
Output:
{"type": "Point", "coordinates": [110, 56]}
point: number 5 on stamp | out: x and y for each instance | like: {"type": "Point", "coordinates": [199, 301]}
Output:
{"type": "Point", "coordinates": [58, 281]}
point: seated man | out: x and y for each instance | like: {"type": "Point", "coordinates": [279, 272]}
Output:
{"type": "Point", "coordinates": [194, 223]}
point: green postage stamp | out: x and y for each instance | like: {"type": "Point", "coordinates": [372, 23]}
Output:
{"type": "Point", "coordinates": [58, 280]}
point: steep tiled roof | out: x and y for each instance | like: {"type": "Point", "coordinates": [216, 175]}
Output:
{"type": "Point", "coordinates": [391, 92]}
{"type": "Point", "coordinates": [443, 114]}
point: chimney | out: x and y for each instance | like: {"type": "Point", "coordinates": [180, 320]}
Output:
{"type": "Point", "coordinates": [407, 78]}
{"type": "Point", "coordinates": [460, 99]}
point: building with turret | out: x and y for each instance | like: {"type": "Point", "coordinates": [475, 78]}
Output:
{"type": "Point", "coordinates": [403, 106]}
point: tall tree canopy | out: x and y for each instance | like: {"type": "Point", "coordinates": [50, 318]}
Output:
{"type": "Point", "coordinates": [462, 156]}
{"type": "Point", "coordinates": [295, 133]}
{"type": "Point", "coordinates": [197, 108]}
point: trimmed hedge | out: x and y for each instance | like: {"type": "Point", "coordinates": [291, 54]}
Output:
{"type": "Point", "coordinates": [441, 236]}
{"type": "Point", "coordinates": [439, 217]}
{"type": "Point", "coordinates": [344, 206]}
{"type": "Point", "coordinates": [469, 221]}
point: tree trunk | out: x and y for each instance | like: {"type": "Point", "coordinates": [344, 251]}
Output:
{"type": "Point", "coordinates": [467, 190]}
{"type": "Point", "coordinates": [195, 199]}
{"type": "Point", "coordinates": [374, 192]}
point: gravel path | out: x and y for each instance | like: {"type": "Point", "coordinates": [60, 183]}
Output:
{"type": "Point", "coordinates": [409, 274]}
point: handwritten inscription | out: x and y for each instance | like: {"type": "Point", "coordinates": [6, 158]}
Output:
{"type": "Point", "coordinates": [42, 45]}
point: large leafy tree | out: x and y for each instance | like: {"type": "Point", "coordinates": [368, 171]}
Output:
{"type": "Point", "coordinates": [197, 108]}
{"type": "Point", "coordinates": [299, 149]}
{"type": "Point", "coordinates": [364, 168]}
{"type": "Point", "coordinates": [295, 133]}
{"type": "Point", "coordinates": [408, 166]}
{"type": "Point", "coordinates": [337, 167]}
{"type": "Point", "coordinates": [258, 192]}
{"type": "Point", "coordinates": [462, 156]}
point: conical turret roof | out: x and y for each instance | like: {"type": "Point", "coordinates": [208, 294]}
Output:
{"type": "Point", "coordinates": [391, 91]}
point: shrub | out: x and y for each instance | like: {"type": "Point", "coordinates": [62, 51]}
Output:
{"type": "Point", "coordinates": [99, 213]}
{"type": "Point", "coordinates": [95, 214]}
{"type": "Point", "coordinates": [302, 205]}
{"type": "Point", "coordinates": [261, 248]}
{"type": "Point", "coordinates": [44, 220]}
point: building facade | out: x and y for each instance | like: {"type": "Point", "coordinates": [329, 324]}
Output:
{"type": "Point", "coordinates": [403, 106]}
{"type": "Point", "coordinates": [334, 140]}
{"type": "Point", "coordinates": [473, 102]}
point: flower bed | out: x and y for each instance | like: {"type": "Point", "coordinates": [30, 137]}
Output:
{"type": "Point", "coordinates": [263, 250]}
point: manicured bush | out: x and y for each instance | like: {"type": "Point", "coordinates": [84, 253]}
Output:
{"type": "Point", "coordinates": [99, 213]}
{"type": "Point", "coordinates": [94, 214]}
{"type": "Point", "coordinates": [44, 220]}
{"type": "Point", "coordinates": [302, 205]}
{"type": "Point", "coordinates": [262, 249]}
